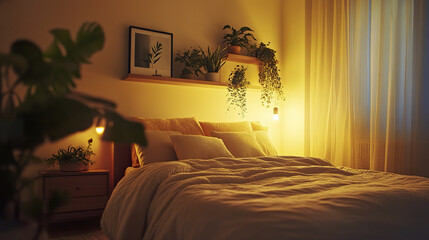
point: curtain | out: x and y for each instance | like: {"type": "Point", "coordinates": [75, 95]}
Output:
{"type": "Point", "coordinates": [362, 86]}
{"type": "Point", "coordinates": [331, 125]}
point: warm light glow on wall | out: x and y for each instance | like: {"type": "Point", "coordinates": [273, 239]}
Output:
{"type": "Point", "coordinates": [275, 114]}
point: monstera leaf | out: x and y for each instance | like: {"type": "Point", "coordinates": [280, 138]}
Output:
{"type": "Point", "coordinates": [50, 109]}
{"type": "Point", "coordinates": [115, 126]}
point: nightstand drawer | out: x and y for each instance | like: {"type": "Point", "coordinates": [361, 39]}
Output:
{"type": "Point", "coordinates": [83, 204]}
{"type": "Point", "coordinates": [88, 193]}
{"type": "Point", "coordinates": [78, 186]}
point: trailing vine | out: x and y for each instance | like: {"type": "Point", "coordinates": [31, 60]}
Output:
{"type": "Point", "coordinates": [237, 89]}
{"type": "Point", "coordinates": [269, 76]}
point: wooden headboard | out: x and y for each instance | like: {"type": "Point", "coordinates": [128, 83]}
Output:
{"type": "Point", "coordinates": [121, 154]}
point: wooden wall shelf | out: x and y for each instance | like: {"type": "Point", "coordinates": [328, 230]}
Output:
{"type": "Point", "coordinates": [191, 82]}
{"type": "Point", "coordinates": [178, 81]}
{"type": "Point", "coordinates": [242, 59]}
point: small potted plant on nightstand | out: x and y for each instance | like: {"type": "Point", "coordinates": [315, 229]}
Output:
{"type": "Point", "coordinates": [213, 62]}
{"type": "Point", "coordinates": [237, 38]}
{"type": "Point", "coordinates": [73, 159]}
{"type": "Point", "coordinates": [237, 89]}
{"type": "Point", "coordinates": [193, 61]}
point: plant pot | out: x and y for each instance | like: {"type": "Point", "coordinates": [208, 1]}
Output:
{"type": "Point", "coordinates": [73, 167]}
{"type": "Point", "coordinates": [234, 49]}
{"type": "Point", "coordinates": [212, 76]}
{"type": "Point", "coordinates": [187, 76]}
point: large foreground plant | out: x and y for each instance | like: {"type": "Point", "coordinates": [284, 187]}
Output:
{"type": "Point", "coordinates": [37, 103]}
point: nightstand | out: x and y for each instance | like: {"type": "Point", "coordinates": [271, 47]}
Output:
{"type": "Point", "coordinates": [88, 192]}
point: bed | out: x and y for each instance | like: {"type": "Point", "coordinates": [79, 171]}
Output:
{"type": "Point", "coordinates": [266, 197]}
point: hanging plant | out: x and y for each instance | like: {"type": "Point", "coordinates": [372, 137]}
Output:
{"type": "Point", "coordinates": [237, 89]}
{"type": "Point", "coordinates": [269, 76]}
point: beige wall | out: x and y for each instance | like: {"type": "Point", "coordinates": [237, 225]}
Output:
{"type": "Point", "coordinates": [293, 68]}
{"type": "Point", "coordinates": [193, 23]}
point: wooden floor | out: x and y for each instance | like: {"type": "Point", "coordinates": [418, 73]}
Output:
{"type": "Point", "coordinates": [84, 230]}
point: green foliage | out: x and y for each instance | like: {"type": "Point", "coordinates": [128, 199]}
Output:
{"type": "Point", "coordinates": [269, 76]}
{"type": "Point", "coordinates": [214, 61]}
{"type": "Point", "coordinates": [73, 155]}
{"type": "Point", "coordinates": [156, 53]}
{"type": "Point", "coordinates": [237, 89]}
{"type": "Point", "coordinates": [238, 37]}
{"type": "Point", "coordinates": [49, 108]}
{"type": "Point", "coordinates": [40, 212]}
{"type": "Point", "coordinates": [192, 59]}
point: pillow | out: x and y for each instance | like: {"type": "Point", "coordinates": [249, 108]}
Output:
{"type": "Point", "coordinates": [183, 125]}
{"type": "Point", "coordinates": [209, 127]}
{"type": "Point", "coordinates": [265, 143]}
{"type": "Point", "coordinates": [134, 159]}
{"type": "Point", "coordinates": [158, 149]}
{"type": "Point", "coordinates": [257, 126]}
{"type": "Point", "coordinates": [199, 147]}
{"type": "Point", "coordinates": [240, 144]}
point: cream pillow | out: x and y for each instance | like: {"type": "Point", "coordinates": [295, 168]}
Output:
{"type": "Point", "coordinates": [198, 147]}
{"type": "Point", "coordinates": [209, 127]}
{"type": "Point", "coordinates": [183, 125]}
{"type": "Point", "coordinates": [257, 126]}
{"type": "Point", "coordinates": [265, 143]}
{"type": "Point", "coordinates": [158, 149]}
{"type": "Point", "coordinates": [240, 144]}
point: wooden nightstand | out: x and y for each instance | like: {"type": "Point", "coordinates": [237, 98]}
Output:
{"type": "Point", "coordinates": [88, 192]}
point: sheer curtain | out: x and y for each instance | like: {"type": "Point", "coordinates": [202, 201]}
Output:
{"type": "Point", "coordinates": [331, 127]}
{"type": "Point", "coordinates": [361, 83]}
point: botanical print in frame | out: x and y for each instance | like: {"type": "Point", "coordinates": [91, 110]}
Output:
{"type": "Point", "coordinates": [150, 52]}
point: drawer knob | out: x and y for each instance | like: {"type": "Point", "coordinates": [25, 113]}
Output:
{"type": "Point", "coordinates": [77, 188]}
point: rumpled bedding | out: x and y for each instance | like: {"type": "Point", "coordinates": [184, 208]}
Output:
{"type": "Point", "coordinates": [266, 198]}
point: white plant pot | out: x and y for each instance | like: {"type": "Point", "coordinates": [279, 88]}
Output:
{"type": "Point", "coordinates": [212, 76]}
{"type": "Point", "coordinates": [73, 167]}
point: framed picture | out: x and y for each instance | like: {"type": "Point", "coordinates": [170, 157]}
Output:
{"type": "Point", "coordinates": [151, 52]}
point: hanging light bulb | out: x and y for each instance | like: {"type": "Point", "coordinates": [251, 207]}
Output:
{"type": "Point", "coordinates": [275, 113]}
{"type": "Point", "coordinates": [99, 128]}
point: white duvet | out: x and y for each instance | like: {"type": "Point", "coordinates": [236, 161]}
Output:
{"type": "Point", "coordinates": [266, 198]}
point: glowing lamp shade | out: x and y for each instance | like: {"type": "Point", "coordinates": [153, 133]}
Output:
{"type": "Point", "coordinates": [275, 113]}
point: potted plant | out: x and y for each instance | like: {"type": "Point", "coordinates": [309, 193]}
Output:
{"type": "Point", "coordinates": [73, 158]}
{"type": "Point", "coordinates": [237, 39]}
{"type": "Point", "coordinates": [50, 109]}
{"type": "Point", "coordinates": [193, 61]}
{"type": "Point", "coordinates": [237, 89]}
{"type": "Point", "coordinates": [269, 76]}
{"type": "Point", "coordinates": [213, 62]}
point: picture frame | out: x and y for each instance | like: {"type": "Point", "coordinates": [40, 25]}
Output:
{"type": "Point", "coordinates": [150, 52]}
